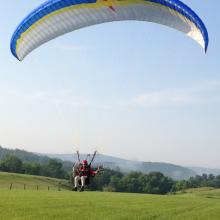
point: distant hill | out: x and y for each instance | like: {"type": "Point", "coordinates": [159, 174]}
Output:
{"type": "Point", "coordinates": [171, 170]}
{"type": "Point", "coordinates": [201, 170]}
{"type": "Point", "coordinates": [23, 155]}
{"type": "Point", "coordinates": [26, 156]}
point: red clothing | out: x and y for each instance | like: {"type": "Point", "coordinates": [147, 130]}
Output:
{"type": "Point", "coordinates": [86, 171]}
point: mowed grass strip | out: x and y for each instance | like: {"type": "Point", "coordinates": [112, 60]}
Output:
{"type": "Point", "coordinates": [23, 205]}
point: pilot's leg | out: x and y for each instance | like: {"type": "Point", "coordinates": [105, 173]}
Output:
{"type": "Point", "coordinates": [83, 181]}
{"type": "Point", "coordinates": [76, 181]}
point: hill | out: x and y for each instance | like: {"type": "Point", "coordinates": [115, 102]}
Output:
{"type": "Point", "coordinates": [174, 171]}
{"type": "Point", "coordinates": [21, 181]}
{"type": "Point", "coordinates": [202, 170]}
{"type": "Point", "coordinates": [109, 206]}
{"type": "Point", "coordinates": [23, 155]}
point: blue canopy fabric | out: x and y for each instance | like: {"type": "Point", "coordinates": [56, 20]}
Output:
{"type": "Point", "coordinates": [57, 17]}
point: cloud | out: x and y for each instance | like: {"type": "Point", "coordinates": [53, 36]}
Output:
{"type": "Point", "coordinates": [59, 97]}
{"type": "Point", "coordinates": [199, 93]}
{"type": "Point", "coordinates": [162, 98]}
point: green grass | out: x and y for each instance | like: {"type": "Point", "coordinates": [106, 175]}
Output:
{"type": "Point", "coordinates": [17, 204]}
{"type": "Point", "coordinates": [31, 182]}
{"type": "Point", "coordinates": [205, 192]}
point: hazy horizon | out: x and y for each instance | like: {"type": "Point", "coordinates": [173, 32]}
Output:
{"type": "Point", "coordinates": [112, 155]}
{"type": "Point", "coordinates": [135, 90]}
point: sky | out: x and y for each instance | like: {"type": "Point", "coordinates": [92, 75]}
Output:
{"type": "Point", "coordinates": [135, 90]}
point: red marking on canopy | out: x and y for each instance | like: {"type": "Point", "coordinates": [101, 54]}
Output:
{"type": "Point", "coordinates": [110, 7]}
{"type": "Point", "coordinates": [113, 9]}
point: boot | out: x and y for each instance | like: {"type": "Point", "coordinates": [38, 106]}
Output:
{"type": "Point", "coordinates": [81, 189]}
{"type": "Point", "coordinates": [74, 189]}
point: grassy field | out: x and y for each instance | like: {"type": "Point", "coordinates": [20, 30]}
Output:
{"type": "Point", "coordinates": [19, 181]}
{"type": "Point", "coordinates": [17, 204]}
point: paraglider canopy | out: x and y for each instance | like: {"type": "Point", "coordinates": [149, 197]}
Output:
{"type": "Point", "coordinates": [57, 17]}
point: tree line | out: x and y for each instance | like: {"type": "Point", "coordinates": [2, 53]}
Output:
{"type": "Point", "coordinates": [151, 183]}
{"type": "Point", "coordinates": [52, 168]}
{"type": "Point", "coordinates": [205, 180]}
{"type": "Point", "coordinates": [112, 180]}
{"type": "Point", "coordinates": [135, 182]}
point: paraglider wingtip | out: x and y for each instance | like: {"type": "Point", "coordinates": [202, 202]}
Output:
{"type": "Point", "coordinates": [17, 58]}
{"type": "Point", "coordinates": [15, 55]}
{"type": "Point", "coordinates": [206, 46]}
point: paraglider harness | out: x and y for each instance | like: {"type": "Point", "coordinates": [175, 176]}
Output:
{"type": "Point", "coordinates": [77, 168]}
